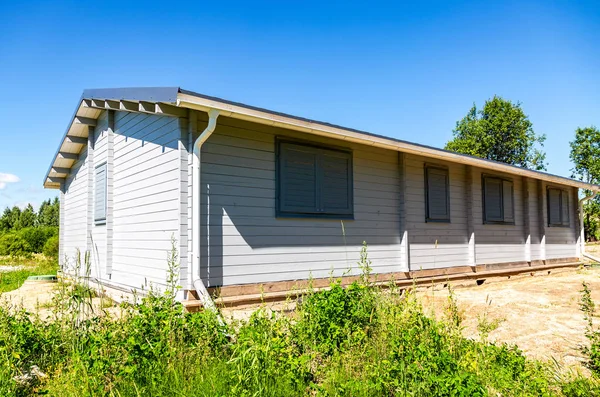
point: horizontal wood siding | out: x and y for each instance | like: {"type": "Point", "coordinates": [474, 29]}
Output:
{"type": "Point", "coordinates": [497, 243]}
{"type": "Point", "coordinates": [75, 207]}
{"type": "Point", "coordinates": [242, 240]}
{"type": "Point", "coordinates": [561, 241]}
{"type": "Point", "coordinates": [435, 244]}
{"type": "Point", "coordinates": [534, 220]}
{"type": "Point", "coordinates": [98, 254]}
{"type": "Point", "coordinates": [146, 197]}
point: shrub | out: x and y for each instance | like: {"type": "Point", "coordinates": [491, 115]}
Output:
{"type": "Point", "coordinates": [51, 247]}
{"type": "Point", "coordinates": [338, 316]}
{"type": "Point", "coordinates": [333, 318]}
{"type": "Point", "coordinates": [14, 245]}
{"type": "Point", "coordinates": [354, 341]}
{"type": "Point", "coordinates": [37, 237]}
{"type": "Point", "coordinates": [264, 358]}
{"type": "Point", "coordinates": [587, 306]}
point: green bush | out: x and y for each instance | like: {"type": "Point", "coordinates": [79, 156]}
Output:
{"type": "Point", "coordinates": [37, 237]}
{"type": "Point", "coordinates": [5, 241]}
{"type": "Point", "coordinates": [357, 341]}
{"type": "Point", "coordinates": [27, 240]}
{"type": "Point", "coordinates": [14, 245]}
{"type": "Point", "coordinates": [587, 306]}
{"type": "Point", "coordinates": [51, 247]}
{"type": "Point", "coordinates": [338, 316]}
{"type": "Point", "coordinates": [264, 358]}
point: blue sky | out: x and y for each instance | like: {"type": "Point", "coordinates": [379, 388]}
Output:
{"type": "Point", "coordinates": [408, 70]}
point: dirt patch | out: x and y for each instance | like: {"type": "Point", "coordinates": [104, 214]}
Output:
{"type": "Point", "coordinates": [37, 297]}
{"type": "Point", "coordinates": [539, 314]}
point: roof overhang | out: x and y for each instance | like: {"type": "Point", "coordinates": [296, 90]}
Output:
{"type": "Point", "coordinates": [174, 101]}
{"type": "Point", "coordinates": [159, 100]}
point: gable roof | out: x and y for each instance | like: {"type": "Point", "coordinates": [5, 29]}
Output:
{"type": "Point", "coordinates": [175, 101]}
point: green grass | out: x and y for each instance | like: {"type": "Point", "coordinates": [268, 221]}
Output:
{"type": "Point", "coordinates": [353, 341]}
{"type": "Point", "coordinates": [35, 266]}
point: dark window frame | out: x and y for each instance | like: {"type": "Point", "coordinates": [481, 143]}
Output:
{"type": "Point", "coordinates": [428, 218]}
{"type": "Point", "coordinates": [102, 220]}
{"type": "Point", "coordinates": [280, 213]}
{"type": "Point", "coordinates": [562, 191]}
{"type": "Point", "coordinates": [483, 200]}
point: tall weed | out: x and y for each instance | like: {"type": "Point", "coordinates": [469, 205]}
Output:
{"type": "Point", "coordinates": [357, 340]}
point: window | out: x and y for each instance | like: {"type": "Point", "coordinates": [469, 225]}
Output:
{"type": "Point", "coordinates": [498, 204]}
{"type": "Point", "coordinates": [437, 194]}
{"type": "Point", "coordinates": [313, 182]}
{"type": "Point", "coordinates": [558, 207]}
{"type": "Point", "coordinates": [100, 195]}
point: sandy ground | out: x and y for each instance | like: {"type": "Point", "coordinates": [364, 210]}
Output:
{"type": "Point", "coordinates": [36, 297]}
{"type": "Point", "coordinates": [539, 314]}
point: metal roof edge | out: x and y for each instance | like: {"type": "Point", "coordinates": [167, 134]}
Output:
{"type": "Point", "coordinates": [149, 94]}
{"type": "Point", "coordinates": [170, 95]}
{"type": "Point", "coordinates": [509, 167]}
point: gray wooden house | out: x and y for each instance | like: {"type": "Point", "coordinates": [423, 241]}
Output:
{"type": "Point", "coordinates": [255, 197]}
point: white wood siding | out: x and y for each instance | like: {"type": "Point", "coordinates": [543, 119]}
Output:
{"type": "Point", "coordinates": [561, 241]}
{"type": "Point", "coordinates": [498, 243]}
{"type": "Point", "coordinates": [534, 220]}
{"type": "Point", "coordinates": [146, 197]}
{"type": "Point", "coordinates": [74, 212]}
{"type": "Point", "coordinates": [435, 244]}
{"type": "Point", "coordinates": [242, 240]}
{"type": "Point", "coordinates": [98, 254]}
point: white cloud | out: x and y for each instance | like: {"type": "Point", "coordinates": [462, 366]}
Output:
{"type": "Point", "coordinates": [7, 178]}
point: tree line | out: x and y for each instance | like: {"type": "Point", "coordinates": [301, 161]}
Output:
{"type": "Point", "coordinates": [27, 231]}
{"type": "Point", "coordinates": [501, 131]}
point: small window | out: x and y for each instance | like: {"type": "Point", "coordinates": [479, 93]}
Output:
{"type": "Point", "coordinates": [437, 194]}
{"type": "Point", "coordinates": [558, 207]}
{"type": "Point", "coordinates": [314, 182]}
{"type": "Point", "coordinates": [100, 195]}
{"type": "Point", "coordinates": [498, 204]}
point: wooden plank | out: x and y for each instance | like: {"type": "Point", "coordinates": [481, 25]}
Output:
{"type": "Point", "coordinates": [112, 105]}
{"type": "Point", "coordinates": [60, 170]}
{"type": "Point", "coordinates": [128, 106]}
{"type": "Point", "coordinates": [67, 156]}
{"type": "Point", "coordinates": [169, 110]}
{"type": "Point", "coordinates": [55, 179]}
{"type": "Point", "coordinates": [76, 139]}
{"type": "Point", "coordinates": [146, 107]}
{"type": "Point", "coordinates": [84, 121]}
{"type": "Point", "coordinates": [255, 293]}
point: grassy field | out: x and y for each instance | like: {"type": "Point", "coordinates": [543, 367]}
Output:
{"type": "Point", "coordinates": [14, 271]}
{"type": "Point", "coordinates": [354, 341]}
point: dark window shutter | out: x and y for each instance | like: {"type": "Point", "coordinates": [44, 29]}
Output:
{"type": "Point", "coordinates": [438, 192]}
{"type": "Point", "coordinates": [554, 210]}
{"type": "Point", "coordinates": [335, 169]}
{"type": "Point", "coordinates": [507, 201]}
{"type": "Point", "coordinates": [100, 194]}
{"type": "Point", "coordinates": [298, 179]}
{"type": "Point", "coordinates": [564, 207]}
{"type": "Point", "coordinates": [492, 190]}
{"type": "Point", "coordinates": [313, 181]}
